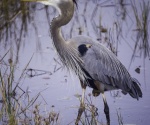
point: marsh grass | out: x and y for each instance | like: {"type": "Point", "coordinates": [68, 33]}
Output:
{"type": "Point", "coordinates": [50, 119]}
{"type": "Point", "coordinates": [113, 36]}
{"type": "Point", "coordinates": [17, 15]}
{"type": "Point", "coordinates": [8, 94]}
{"type": "Point", "coordinates": [141, 15]}
{"type": "Point", "coordinates": [120, 118]}
{"type": "Point", "coordinates": [88, 115]}
{"type": "Point", "coordinates": [16, 104]}
{"type": "Point", "coordinates": [15, 19]}
{"type": "Point", "coordinates": [10, 10]}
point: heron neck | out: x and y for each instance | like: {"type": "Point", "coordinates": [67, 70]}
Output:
{"type": "Point", "coordinates": [66, 13]}
{"type": "Point", "coordinates": [68, 55]}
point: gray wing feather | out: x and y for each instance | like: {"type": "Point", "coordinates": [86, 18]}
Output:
{"type": "Point", "coordinates": [103, 66]}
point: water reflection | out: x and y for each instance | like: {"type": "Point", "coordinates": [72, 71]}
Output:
{"type": "Point", "coordinates": [36, 72]}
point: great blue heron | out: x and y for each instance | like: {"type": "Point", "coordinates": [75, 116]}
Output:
{"type": "Point", "coordinates": [95, 65]}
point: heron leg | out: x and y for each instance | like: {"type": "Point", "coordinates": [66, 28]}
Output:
{"type": "Point", "coordinates": [106, 109]}
{"type": "Point", "coordinates": [80, 111]}
{"type": "Point", "coordinates": [83, 96]}
{"type": "Point", "coordinates": [82, 106]}
{"type": "Point", "coordinates": [83, 93]}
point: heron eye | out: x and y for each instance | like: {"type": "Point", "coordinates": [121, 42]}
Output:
{"type": "Point", "coordinates": [82, 49]}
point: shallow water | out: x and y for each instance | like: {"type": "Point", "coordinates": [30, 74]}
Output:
{"type": "Point", "coordinates": [58, 87]}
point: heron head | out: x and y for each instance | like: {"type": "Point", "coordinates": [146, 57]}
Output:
{"type": "Point", "coordinates": [54, 3]}
{"type": "Point", "coordinates": [51, 2]}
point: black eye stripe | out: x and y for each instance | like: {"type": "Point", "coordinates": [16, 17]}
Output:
{"type": "Point", "coordinates": [82, 49]}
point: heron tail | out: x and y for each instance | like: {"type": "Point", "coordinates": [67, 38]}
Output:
{"type": "Point", "coordinates": [135, 91]}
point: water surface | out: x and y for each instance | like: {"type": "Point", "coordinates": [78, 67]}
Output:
{"type": "Point", "coordinates": [59, 88]}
